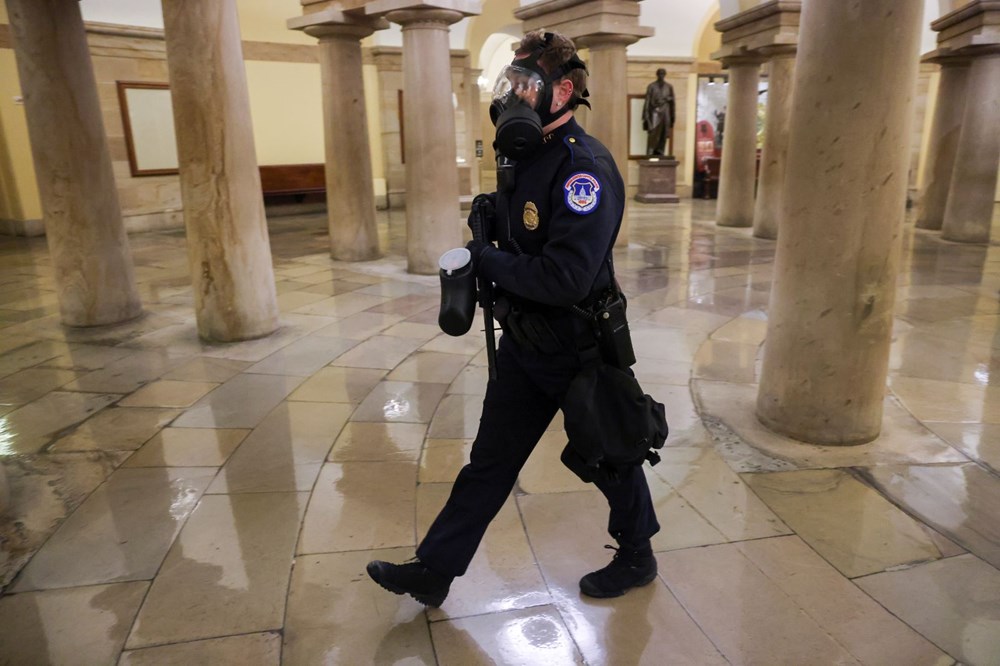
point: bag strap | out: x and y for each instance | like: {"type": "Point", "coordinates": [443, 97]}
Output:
{"type": "Point", "coordinates": [586, 345]}
{"type": "Point", "coordinates": [613, 285]}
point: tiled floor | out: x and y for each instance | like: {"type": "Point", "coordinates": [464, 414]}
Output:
{"type": "Point", "coordinates": [182, 502]}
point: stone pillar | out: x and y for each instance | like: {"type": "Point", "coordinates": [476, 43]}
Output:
{"type": "Point", "coordinates": [433, 219]}
{"type": "Point", "coordinates": [766, 31]}
{"type": "Point", "coordinates": [775, 153]}
{"type": "Point", "coordinates": [228, 248]}
{"type": "Point", "coordinates": [350, 189]}
{"type": "Point", "coordinates": [830, 316]}
{"type": "Point", "coordinates": [388, 61]}
{"type": "Point", "coordinates": [473, 122]}
{"type": "Point", "coordinates": [608, 119]}
{"type": "Point", "coordinates": [943, 141]}
{"type": "Point", "coordinates": [76, 183]}
{"type": "Point", "coordinates": [969, 211]}
{"type": "Point", "coordinates": [739, 145]}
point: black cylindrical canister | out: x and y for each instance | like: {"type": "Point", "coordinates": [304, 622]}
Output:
{"type": "Point", "coordinates": [458, 291]}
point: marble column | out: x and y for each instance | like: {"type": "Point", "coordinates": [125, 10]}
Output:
{"type": "Point", "coordinates": [228, 248]}
{"type": "Point", "coordinates": [473, 125]}
{"type": "Point", "coordinates": [350, 190]}
{"type": "Point", "coordinates": [969, 211]}
{"type": "Point", "coordinates": [774, 156]}
{"type": "Point", "coordinates": [830, 315]}
{"type": "Point", "coordinates": [608, 83]}
{"type": "Point", "coordinates": [739, 145]}
{"type": "Point", "coordinates": [83, 220]}
{"type": "Point", "coordinates": [433, 219]}
{"type": "Point", "coordinates": [943, 141]}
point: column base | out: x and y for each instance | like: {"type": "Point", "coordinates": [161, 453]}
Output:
{"type": "Point", "coordinates": [816, 436]}
{"type": "Point", "coordinates": [130, 315]}
{"type": "Point", "coordinates": [974, 238]}
{"type": "Point", "coordinates": [657, 198]}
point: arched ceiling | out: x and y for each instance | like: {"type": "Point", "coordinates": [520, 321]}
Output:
{"type": "Point", "coordinates": [676, 23]}
{"type": "Point", "coordinates": [496, 54]}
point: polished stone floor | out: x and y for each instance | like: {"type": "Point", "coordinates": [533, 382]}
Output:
{"type": "Point", "coordinates": [181, 502]}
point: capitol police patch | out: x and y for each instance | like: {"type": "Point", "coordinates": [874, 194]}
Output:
{"type": "Point", "coordinates": [583, 192]}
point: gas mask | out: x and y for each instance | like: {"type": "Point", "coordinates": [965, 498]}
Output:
{"type": "Point", "coordinates": [522, 103]}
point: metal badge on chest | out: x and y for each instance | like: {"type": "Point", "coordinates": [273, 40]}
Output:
{"type": "Point", "coordinates": [530, 216]}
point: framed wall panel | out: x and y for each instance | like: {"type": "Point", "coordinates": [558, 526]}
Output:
{"type": "Point", "coordinates": [148, 119]}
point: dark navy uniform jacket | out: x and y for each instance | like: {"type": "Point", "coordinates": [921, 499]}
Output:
{"type": "Point", "coordinates": [564, 215]}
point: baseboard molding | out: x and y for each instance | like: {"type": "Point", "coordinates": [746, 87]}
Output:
{"type": "Point", "coordinates": [28, 228]}
{"type": "Point", "coordinates": [165, 220]}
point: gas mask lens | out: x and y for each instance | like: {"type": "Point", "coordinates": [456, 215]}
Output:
{"type": "Point", "coordinates": [518, 83]}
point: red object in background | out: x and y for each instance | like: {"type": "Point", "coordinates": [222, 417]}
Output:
{"type": "Point", "coordinates": [704, 145]}
{"type": "Point", "coordinates": [706, 159]}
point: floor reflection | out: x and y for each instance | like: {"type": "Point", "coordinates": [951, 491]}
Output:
{"type": "Point", "coordinates": [177, 500]}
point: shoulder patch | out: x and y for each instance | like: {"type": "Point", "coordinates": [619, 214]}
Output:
{"type": "Point", "coordinates": [583, 192]}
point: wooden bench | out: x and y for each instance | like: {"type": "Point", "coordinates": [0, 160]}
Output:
{"type": "Point", "coordinates": [295, 180]}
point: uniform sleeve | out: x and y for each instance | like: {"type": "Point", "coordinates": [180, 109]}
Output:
{"type": "Point", "coordinates": [578, 241]}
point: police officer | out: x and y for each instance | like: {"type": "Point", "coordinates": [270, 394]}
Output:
{"type": "Point", "coordinates": [558, 208]}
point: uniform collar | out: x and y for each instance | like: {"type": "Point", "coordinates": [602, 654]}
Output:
{"type": "Point", "coordinates": [556, 136]}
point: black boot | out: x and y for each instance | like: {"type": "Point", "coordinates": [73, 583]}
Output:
{"type": "Point", "coordinates": [632, 566]}
{"type": "Point", "coordinates": [412, 578]}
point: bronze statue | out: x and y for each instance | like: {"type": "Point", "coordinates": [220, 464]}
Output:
{"type": "Point", "coordinates": [658, 113]}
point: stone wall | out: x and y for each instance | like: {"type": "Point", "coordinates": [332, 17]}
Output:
{"type": "Point", "coordinates": [133, 54]}
{"type": "Point", "coordinates": [126, 53]}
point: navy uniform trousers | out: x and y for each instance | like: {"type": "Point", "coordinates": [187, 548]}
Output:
{"type": "Point", "coordinates": [518, 407]}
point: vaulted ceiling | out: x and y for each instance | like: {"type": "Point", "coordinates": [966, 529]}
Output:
{"type": "Point", "coordinates": [678, 23]}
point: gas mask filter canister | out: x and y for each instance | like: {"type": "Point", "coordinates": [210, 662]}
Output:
{"type": "Point", "coordinates": [519, 128]}
{"type": "Point", "coordinates": [519, 91]}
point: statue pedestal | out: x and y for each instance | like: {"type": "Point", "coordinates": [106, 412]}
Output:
{"type": "Point", "coordinates": [657, 181]}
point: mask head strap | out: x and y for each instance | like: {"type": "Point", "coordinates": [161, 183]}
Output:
{"type": "Point", "coordinates": [566, 68]}
{"type": "Point", "coordinates": [530, 61]}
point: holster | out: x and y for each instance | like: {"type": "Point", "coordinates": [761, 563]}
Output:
{"type": "Point", "coordinates": [613, 335]}
{"type": "Point", "coordinates": [606, 314]}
